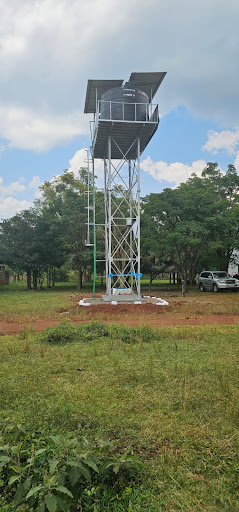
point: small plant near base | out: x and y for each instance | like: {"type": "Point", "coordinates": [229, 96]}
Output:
{"type": "Point", "coordinates": [62, 333]}
{"type": "Point", "coordinates": [58, 474]}
{"type": "Point", "coordinates": [27, 332]}
{"type": "Point", "coordinates": [68, 333]}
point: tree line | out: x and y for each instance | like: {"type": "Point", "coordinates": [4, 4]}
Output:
{"type": "Point", "coordinates": [185, 230]}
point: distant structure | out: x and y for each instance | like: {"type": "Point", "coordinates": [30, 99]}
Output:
{"type": "Point", "coordinates": [4, 275]}
{"type": "Point", "coordinates": [125, 120]}
{"type": "Point", "coordinates": [233, 267]}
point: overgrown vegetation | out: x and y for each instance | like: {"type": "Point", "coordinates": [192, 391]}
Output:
{"type": "Point", "coordinates": [66, 333]}
{"type": "Point", "coordinates": [186, 229]}
{"type": "Point", "coordinates": [60, 473]}
{"type": "Point", "coordinates": [194, 226]}
{"type": "Point", "coordinates": [170, 396]}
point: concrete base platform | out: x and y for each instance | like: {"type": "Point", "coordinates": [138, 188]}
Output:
{"type": "Point", "coordinates": [131, 298]}
{"type": "Point", "coordinates": [122, 298]}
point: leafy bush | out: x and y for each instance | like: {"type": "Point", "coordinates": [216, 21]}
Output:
{"type": "Point", "coordinates": [147, 334]}
{"type": "Point", "coordinates": [135, 334]}
{"type": "Point", "coordinates": [96, 330]}
{"type": "Point", "coordinates": [127, 334]}
{"type": "Point", "coordinates": [59, 473]}
{"type": "Point", "coordinates": [66, 333]}
{"type": "Point", "coordinates": [62, 333]}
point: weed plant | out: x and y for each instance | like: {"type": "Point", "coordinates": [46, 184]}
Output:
{"type": "Point", "coordinates": [169, 395]}
{"type": "Point", "coordinates": [61, 473]}
{"type": "Point", "coordinates": [68, 333]}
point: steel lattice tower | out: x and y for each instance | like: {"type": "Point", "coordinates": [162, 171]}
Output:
{"type": "Point", "coordinates": [124, 122]}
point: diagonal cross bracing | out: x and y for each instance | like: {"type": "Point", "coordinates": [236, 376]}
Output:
{"type": "Point", "coordinates": [122, 211]}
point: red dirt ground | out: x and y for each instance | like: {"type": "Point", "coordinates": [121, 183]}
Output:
{"type": "Point", "coordinates": [187, 311]}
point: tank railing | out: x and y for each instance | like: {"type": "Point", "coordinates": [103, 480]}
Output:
{"type": "Point", "coordinates": [126, 111]}
{"type": "Point", "coordinates": [154, 118]}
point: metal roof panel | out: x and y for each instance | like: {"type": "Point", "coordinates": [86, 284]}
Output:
{"type": "Point", "coordinates": [100, 86]}
{"type": "Point", "coordinates": [148, 82]}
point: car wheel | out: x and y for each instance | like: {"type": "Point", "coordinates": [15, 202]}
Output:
{"type": "Point", "coordinates": [201, 287]}
{"type": "Point", "coordinates": [215, 288]}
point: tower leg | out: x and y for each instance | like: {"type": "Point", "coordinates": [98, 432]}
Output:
{"type": "Point", "coordinates": [108, 219]}
{"type": "Point", "coordinates": [122, 224]}
{"type": "Point", "coordinates": [106, 228]}
{"type": "Point", "coordinates": [138, 206]}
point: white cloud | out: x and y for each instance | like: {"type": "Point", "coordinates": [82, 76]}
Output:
{"type": "Point", "coordinates": [236, 163]}
{"type": "Point", "coordinates": [34, 185]}
{"type": "Point", "coordinates": [35, 182]}
{"type": "Point", "coordinates": [174, 173]}
{"type": "Point", "coordinates": [80, 160]}
{"type": "Point", "coordinates": [13, 188]}
{"type": "Point", "coordinates": [10, 206]}
{"type": "Point", "coordinates": [28, 129]}
{"type": "Point", "coordinates": [227, 140]}
{"type": "Point", "coordinates": [49, 49]}
{"type": "Point", "coordinates": [2, 149]}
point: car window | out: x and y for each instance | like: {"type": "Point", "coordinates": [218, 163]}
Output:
{"type": "Point", "coordinates": [220, 275]}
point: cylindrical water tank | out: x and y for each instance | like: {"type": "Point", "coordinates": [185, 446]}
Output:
{"type": "Point", "coordinates": [124, 104]}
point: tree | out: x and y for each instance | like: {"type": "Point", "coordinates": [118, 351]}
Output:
{"type": "Point", "coordinates": [226, 230]}
{"type": "Point", "coordinates": [41, 239]}
{"type": "Point", "coordinates": [64, 198]}
{"type": "Point", "coordinates": [153, 254]}
{"type": "Point", "coordinates": [184, 220]}
{"type": "Point", "coordinates": [31, 244]}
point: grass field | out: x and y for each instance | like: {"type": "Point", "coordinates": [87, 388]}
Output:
{"type": "Point", "coordinates": [169, 395]}
{"type": "Point", "coordinates": [19, 307]}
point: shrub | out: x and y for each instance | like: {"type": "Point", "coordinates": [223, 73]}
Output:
{"type": "Point", "coordinates": [58, 473]}
{"type": "Point", "coordinates": [96, 330]}
{"type": "Point", "coordinates": [135, 334]}
{"type": "Point", "coordinates": [67, 333]}
{"type": "Point", "coordinates": [62, 333]}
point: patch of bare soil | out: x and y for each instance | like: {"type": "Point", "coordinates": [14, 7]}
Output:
{"type": "Point", "coordinates": [195, 310]}
{"type": "Point", "coordinates": [155, 316]}
{"type": "Point", "coordinates": [16, 327]}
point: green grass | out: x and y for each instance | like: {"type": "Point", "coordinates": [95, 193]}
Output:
{"type": "Point", "coordinates": [174, 401]}
{"type": "Point", "coordinates": [17, 303]}
{"type": "Point", "coordinates": [21, 305]}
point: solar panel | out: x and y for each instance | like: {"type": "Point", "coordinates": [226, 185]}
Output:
{"type": "Point", "coordinates": [97, 87]}
{"type": "Point", "coordinates": [147, 82]}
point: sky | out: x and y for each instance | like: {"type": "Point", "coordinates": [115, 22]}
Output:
{"type": "Point", "coordinates": [50, 48]}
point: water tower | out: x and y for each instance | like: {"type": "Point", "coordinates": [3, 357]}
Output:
{"type": "Point", "coordinates": [125, 120]}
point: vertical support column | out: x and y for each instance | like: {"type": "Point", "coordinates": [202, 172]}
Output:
{"type": "Point", "coordinates": [94, 232]}
{"type": "Point", "coordinates": [109, 218]}
{"type": "Point", "coordinates": [106, 224]}
{"type": "Point", "coordinates": [88, 199]}
{"type": "Point", "coordinates": [130, 214]}
{"type": "Point", "coordinates": [138, 208]}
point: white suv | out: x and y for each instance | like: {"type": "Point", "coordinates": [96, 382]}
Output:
{"type": "Point", "coordinates": [216, 281]}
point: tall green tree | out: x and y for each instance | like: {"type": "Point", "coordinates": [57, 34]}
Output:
{"type": "Point", "coordinates": [64, 198]}
{"type": "Point", "coordinates": [226, 227]}
{"type": "Point", "coordinates": [193, 219]}
{"type": "Point", "coordinates": [30, 244]}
